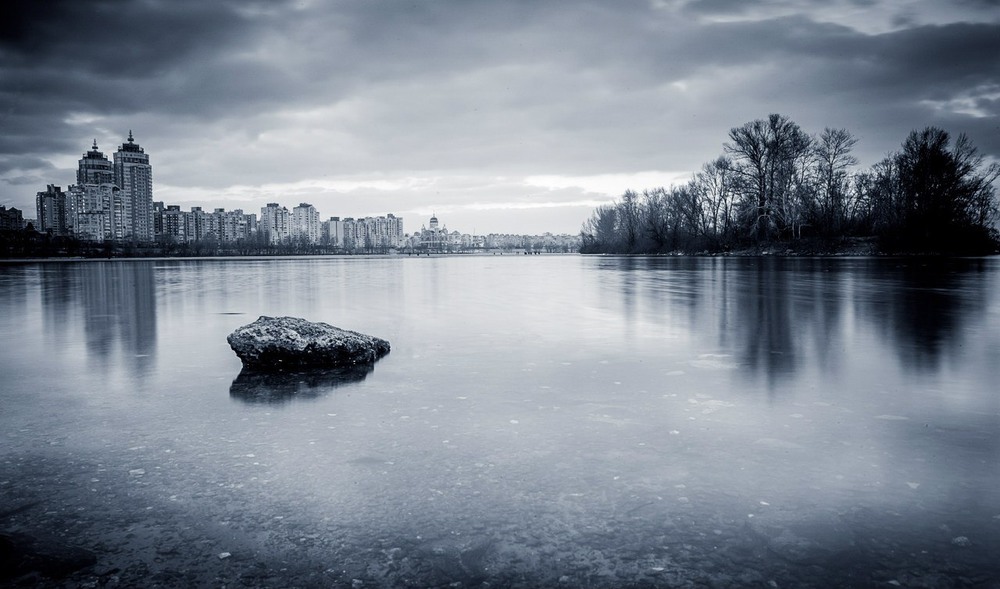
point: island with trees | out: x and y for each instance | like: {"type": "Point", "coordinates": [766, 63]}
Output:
{"type": "Point", "coordinates": [778, 189]}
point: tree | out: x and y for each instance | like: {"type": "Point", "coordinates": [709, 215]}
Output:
{"type": "Point", "coordinates": [770, 158]}
{"type": "Point", "coordinates": [877, 198]}
{"type": "Point", "coordinates": [774, 179]}
{"type": "Point", "coordinates": [599, 233]}
{"type": "Point", "coordinates": [629, 218]}
{"type": "Point", "coordinates": [946, 196]}
{"type": "Point", "coordinates": [833, 158]}
{"type": "Point", "coordinates": [656, 222]}
{"type": "Point", "coordinates": [715, 184]}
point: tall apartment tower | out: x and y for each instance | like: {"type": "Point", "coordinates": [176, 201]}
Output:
{"type": "Point", "coordinates": [100, 212]}
{"type": "Point", "coordinates": [134, 177]}
{"type": "Point", "coordinates": [305, 223]}
{"type": "Point", "coordinates": [275, 223]}
{"type": "Point", "coordinates": [95, 168]}
{"type": "Point", "coordinates": [56, 211]}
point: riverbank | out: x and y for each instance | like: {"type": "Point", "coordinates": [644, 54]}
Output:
{"type": "Point", "coordinates": [846, 247]}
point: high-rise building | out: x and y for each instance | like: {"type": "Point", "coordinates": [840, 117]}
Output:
{"type": "Point", "coordinates": [95, 168]}
{"type": "Point", "coordinates": [389, 230]}
{"type": "Point", "coordinates": [134, 176]}
{"type": "Point", "coordinates": [197, 224]}
{"type": "Point", "coordinates": [275, 223]}
{"type": "Point", "coordinates": [158, 209]}
{"type": "Point", "coordinates": [305, 223]}
{"type": "Point", "coordinates": [11, 219]}
{"type": "Point", "coordinates": [368, 233]}
{"type": "Point", "coordinates": [174, 224]}
{"type": "Point", "coordinates": [352, 235]}
{"type": "Point", "coordinates": [100, 211]}
{"type": "Point", "coordinates": [333, 232]}
{"type": "Point", "coordinates": [56, 212]}
{"type": "Point", "coordinates": [231, 226]}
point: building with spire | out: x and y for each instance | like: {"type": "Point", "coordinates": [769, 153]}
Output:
{"type": "Point", "coordinates": [134, 177]}
{"type": "Point", "coordinates": [95, 168]}
{"type": "Point", "coordinates": [100, 210]}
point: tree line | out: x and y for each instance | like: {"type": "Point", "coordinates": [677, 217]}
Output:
{"type": "Point", "coordinates": [774, 183]}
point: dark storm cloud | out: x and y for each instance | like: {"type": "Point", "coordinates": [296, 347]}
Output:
{"type": "Point", "coordinates": [981, 4]}
{"type": "Point", "coordinates": [273, 92]}
{"type": "Point", "coordinates": [922, 62]}
{"type": "Point", "coordinates": [115, 39]}
{"type": "Point", "coordinates": [122, 56]}
{"type": "Point", "coordinates": [64, 57]}
{"type": "Point", "coordinates": [216, 60]}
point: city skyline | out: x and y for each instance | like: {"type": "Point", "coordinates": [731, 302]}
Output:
{"type": "Point", "coordinates": [114, 200]}
{"type": "Point", "coordinates": [501, 116]}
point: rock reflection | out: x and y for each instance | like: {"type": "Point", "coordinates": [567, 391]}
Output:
{"type": "Point", "coordinates": [254, 387]}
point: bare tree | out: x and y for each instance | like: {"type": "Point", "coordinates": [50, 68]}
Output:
{"type": "Point", "coordinates": [629, 219]}
{"type": "Point", "coordinates": [599, 233]}
{"type": "Point", "coordinates": [833, 159]}
{"type": "Point", "coordinates": [715, 184]}
{"type": "Point", "coordinates": [655, 218]}
{"type": "Point", "coordinates": [770, 156]}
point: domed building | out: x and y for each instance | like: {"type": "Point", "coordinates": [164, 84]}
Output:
{"type": "Point", "coordinates": [432, 236]}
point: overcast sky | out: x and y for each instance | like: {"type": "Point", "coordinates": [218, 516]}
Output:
{"type": "Point", "coordinates": [500, 116]}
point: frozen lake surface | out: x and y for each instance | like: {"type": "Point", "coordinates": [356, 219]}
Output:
{"type": "Point", "coordinates": [541, 421]}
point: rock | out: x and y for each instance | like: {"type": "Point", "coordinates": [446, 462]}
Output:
{"type": "Point", "coordinates": [275, 344]}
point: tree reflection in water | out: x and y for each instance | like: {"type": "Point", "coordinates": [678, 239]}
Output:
{"type": "Point", "coordinates": [778, 315]}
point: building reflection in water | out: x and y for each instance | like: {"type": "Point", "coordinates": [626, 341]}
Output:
{"type": "Point", "coordinates": [117, 301]}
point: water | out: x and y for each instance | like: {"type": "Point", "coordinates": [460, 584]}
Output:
{"type": "Point", "coordinates": [540, 421]}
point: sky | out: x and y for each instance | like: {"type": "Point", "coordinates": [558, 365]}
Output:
{"type": "Point", "coordinates": [498, 116]}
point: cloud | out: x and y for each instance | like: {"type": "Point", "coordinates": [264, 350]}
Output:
{"type": "Point", "coordinates": [298, 98]}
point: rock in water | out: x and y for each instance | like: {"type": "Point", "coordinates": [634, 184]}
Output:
{"type": "Point", "coordinates": [283, 343]}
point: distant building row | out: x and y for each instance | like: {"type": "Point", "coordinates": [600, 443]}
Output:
{"type": "Point", "coordinates": [114, 201]}
{"type": "Point", "coordinates": [276, 226]}
{"type": "Point", "coordinates": [435, 237]}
